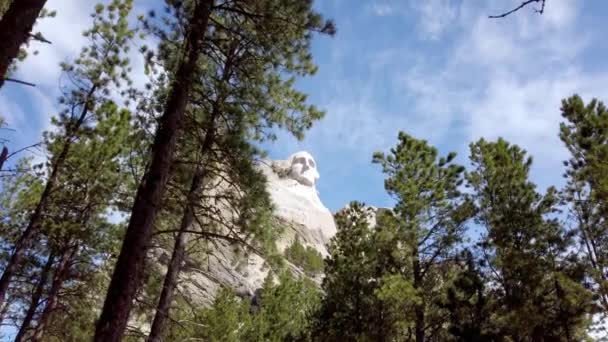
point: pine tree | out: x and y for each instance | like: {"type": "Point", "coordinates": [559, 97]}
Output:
{"type": "Point", "coordinates": [538, 290]}
{"type": "Point", "coordinates": [98, 68]}
{"type": "Point", "coordinates": [285, 309]}
{"type": "Point", "coordinates": [129, 266]}
{"type": "Point", "coordinates": [585, 134]}
{"type": "Point", "coordinates": [428, 219]}
{"type": "Point", "coordinates": [350, 310]}
{"type": "Point", "coordinates": [466, 300]}
{"type": "Point", "coordinates": [262, 43]}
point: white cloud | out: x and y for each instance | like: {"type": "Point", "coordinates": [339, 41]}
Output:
{"type": "Point", "coordinates": [492, 78]}
{"type": "Point", "coordinates": [506, 78]}
{"type": "Point", "coordinates": [382, 9]}
{"type": "Point", "coordinates": [434, 16]}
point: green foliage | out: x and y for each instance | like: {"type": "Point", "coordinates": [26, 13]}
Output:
{"type": "Point", "coordinates": [228, 319]}
{"type": "Point", "coordinates": [350, 309]}
{"type": "Point", "coordinates": [307, 258]}
{"type": "Point", "coordinates": [467, 304]}
{"type": "Point", "coordinates": [75, 193]}
{"type": "Point", "coordinates": [585, 135]}
{"type": "Point", "coordinates": [4, 4]}
{"type": "Point", "coordinates": [279, 312]}
{"type": "Point", "coordinates": [285, 310]}
{"type": "Point", "coordinates": [423, 229]}
{"type": "Point", "coordinates": [526, 251]}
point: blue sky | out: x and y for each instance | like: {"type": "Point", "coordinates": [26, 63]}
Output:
{"type": "Point", "coordinates": [437, 69]}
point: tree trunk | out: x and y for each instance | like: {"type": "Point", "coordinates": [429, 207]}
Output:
{"type": "Point", "coordinates": [4, 311]}
{"type": "Point", "coordinates": [177, 257]}
{"type": "Point", "coordinates": [419, 309]}
{"type": "Point", "coordinates": [173, 270]}
{"type": "Point", "coordinates": [3, 156]}
{"type": "Point", "coordinates": [58, 279]}
{"type": "Point", "coordinates": [592, 256]}
{"type": "Point", "coordinates": [25, 240]}
{"type": "Point", "coordinates": [36, 296]}
{"type": "Point", "coordinates": [15, 29]}
{"type": "Point", "coordinates": [129, 266]}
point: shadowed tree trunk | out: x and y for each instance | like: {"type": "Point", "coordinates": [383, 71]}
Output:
{"type": "Point", "coordinates": [129, 266]}
{"type": "Point", "coordinates": [36, 296]}
{"type": "Point", "coordinates": [177, 257]}
{"type": "Point", "coordinates": [3, 156]}
{"type": "Point", "coordinates": [419, 309]}
{"type": "Point", "coordinates": [61, 272]}
{"type": "Point", "coordinates": [15, 29]}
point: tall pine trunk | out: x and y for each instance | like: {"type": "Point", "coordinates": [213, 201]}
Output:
{"type": "Point", "coordinates": [177, 257]}
{"type": "Point", "coordinates": [35, 300]}
{"type": "Point", "coordinates": [26, 238]}
{"type": "Point", "coordinates": [15, 29]}
{"type": "Point", "coordinates": [173, 269]}
{"type": "Point", "coordinates": [419, 308]}
{"type": "Point", "coordinates": [61, 273]}
{"type": "Point", "coordinates": [129, 266]}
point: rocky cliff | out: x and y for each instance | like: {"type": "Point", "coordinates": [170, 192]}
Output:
{"type": "Point", "coordinates": [298, 210]}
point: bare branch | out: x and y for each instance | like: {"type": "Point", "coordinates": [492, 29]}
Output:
{"type": "Point", "coordinates": [522, 5]}
{"type": "Point", "coordinates": [27, 148]}
{"type": "Point", "coordinates": [19, 81]}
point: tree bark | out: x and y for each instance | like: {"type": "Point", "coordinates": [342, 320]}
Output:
{"type": "Point", "coordinates": [419, 309]}
{"type": "Point", "coordinates": [36, 296]}
{"type": "Point", "coordinates": [129, 266]}
{"type": "Point", "coordinates": [25, 240]}
{"type": "Point", "coordinates": [177, 257]}
{"type": "Point", "coordinates": [3, 156]}
{"type": "Point", "coordinates": [59, 277]}
{"type": "Point", "coordinates": [15, 29]}
{"type": "Point", "coordinates": [173, 269]}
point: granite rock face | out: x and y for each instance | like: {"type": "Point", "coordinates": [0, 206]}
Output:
{"type": "Point", "coordinates": [297, 209]}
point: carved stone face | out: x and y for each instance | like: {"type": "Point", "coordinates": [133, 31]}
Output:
{"type": "Point", "coordinates": [304, 168]}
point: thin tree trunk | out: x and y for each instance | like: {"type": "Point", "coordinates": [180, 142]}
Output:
{"type": "Point", "coordinates": [559, 291]}
{"type": "Point", "coordinates": [592, 256]}
{"type": "Point", "coordinates": [129, 266]}
{"type": "Point", "coordinates": [61, 272]}
{"type": "Point", "coordinates": [15, 29]}
{"type": "Point", "coordinates": [3, 156]}
{"type": "Point", "coordinates": [419, 309]}
{"type": "Point", "coordinates": [173, 269]}
{"type": "Point", "coordinates": [4, 310]}
{"type": "Point", "coordinates": [26, 238]}
{"type": "Point", "coordinates": [177, 257]}
{"type": "Point", "coordinates": [36, 296]}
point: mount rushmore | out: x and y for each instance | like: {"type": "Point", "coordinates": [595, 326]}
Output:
{"type": "Point", "coordinates": [300, 212]}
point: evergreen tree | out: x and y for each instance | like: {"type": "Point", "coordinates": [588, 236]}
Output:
{"type": "Point", "coordinates": [129, 266]}
{"type": "Point", "coordinates": [428, 222]}
{"type": "Point", "coordinates": [350, 310]}
{"type": "Point", "coordinates": [585, 134]}
{"type": "Point", "coordinates": [285, 309]}
{"type": "Point", "coordinates": [536, 283]}
{"type": "Point", "coordinates": [99, 67]}
{"type": "Point", "coordinates": [262, 43]}
{"type": "Point", "coordinates": [466, 300]}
